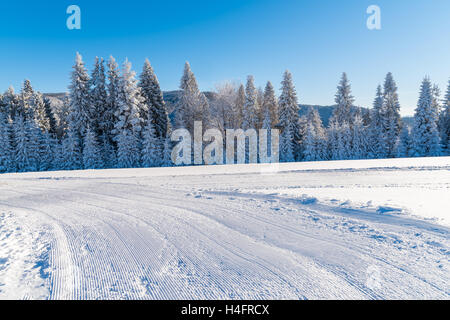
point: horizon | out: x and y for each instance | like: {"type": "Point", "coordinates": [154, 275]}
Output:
{"type": "Point", "coordinates": [228, 41]}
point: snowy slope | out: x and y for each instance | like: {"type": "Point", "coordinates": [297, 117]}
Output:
{"type": "Point", "coordinates": [345, 229]}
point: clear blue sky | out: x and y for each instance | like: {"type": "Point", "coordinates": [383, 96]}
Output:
{"type": "Point", "coordinates": [227, 40]}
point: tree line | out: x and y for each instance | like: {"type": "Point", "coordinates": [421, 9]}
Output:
{"type": "Point", "coordinates": [113, 119]}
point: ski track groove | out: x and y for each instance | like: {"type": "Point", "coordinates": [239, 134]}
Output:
{"type": "Point", "coordinates": [157, 249]}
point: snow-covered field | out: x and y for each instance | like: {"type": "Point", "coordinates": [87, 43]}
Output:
{"type": "Point", "coordinates": [328, 230]}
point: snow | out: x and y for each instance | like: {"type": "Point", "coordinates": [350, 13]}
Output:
{"type": "Point", "coordinates": [369, 229]}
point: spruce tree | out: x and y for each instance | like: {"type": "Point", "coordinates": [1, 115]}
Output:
{"type": "Point", "coordinates": [404, 142]}
{"type": "Point", "coordinates": [238, 107]}
{"type": "Point", "coordinates": [270, 105]}
{"type": "Point", "coordinates": [426, 141]}
{"type": "Point", "coordinates": [359, 138]}
{"type": "Point", "coordinates": [314, 143]}
{"type": "Point", "coordinates": [128, 125]}
{"type": "Point", "coordinates": [391, 120]}
{"type": "Point", "coordinates": [444, 122]}
{"type": "Point", "coordinates": [193, 105]}
{"type": "Point", "coordinates": [71, 157]}
{"type": "Point", "coordinates": [377, 148]}
{"type": "Point", "coordinates": [112, 102]}
{"type": "Point", "coordinates": [91, 153]}
{"type": "Point", "coordinates": [151, 154]}
{"type": "Point", "coordinates": [6, 146]}
{"type": "Point", "coordinates": [153, 98]}
{"type": "Point", "coordinates": [344, 102]}
{"type": "Point", "coordinates": [250, 112]}
{"type": "Point", "coordinates": [98, 99]}
{"type": "Point", "coordinates": [289, 117]}
{"type": "Point", "coordinates": [79, 99]}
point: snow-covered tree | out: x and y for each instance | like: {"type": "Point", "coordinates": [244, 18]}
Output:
{"type": "Point", "coordinates": [314, 142]}
{"type": "Point", "coordinates": [27, 138]}
{"type": "Point", "coordinates": [269, 108]}
{"type": "Point", "coordinates": [238, 107]}
{"type": "Point", "coordinates": [112, 102]}
{"type": "Point", "coordinates": [404, 143]}
{"type": "Point", "coordinates": [6, 146]}
{"type": "Point", "coordinates": [80, 102]}
{"type": "Point", "coordinates": [25, 107]}
{"type": "Point", "coordinates": [128, 125]}
{"type": "Point", "coordinates": [377, 148]}
{"type": "Point", "coordinates": [344, 102]}
{"type": "Point", "coordinates": [310, 152]}
{"type": "Point", "coordinates": [289, 117]}
{"type": "Point", "coordinates": [42, 115]}
{"type": "Point", "coordinates": [359, 138]}
{"type": "Point", "coordinates": [50, 116]}
{"type": "Point", "coordinates": [166, 160]}
{"type": "Point", "coordinates": [11, 103]}
{"type": "Point", "coordinates": [48, 146]}
{"type": "Point", "coordinates": [92, 158]}
{"type": "Point", "coordinates": [153, 98]}
{"type": "Point", "coordinates": [193, 105]}
{"type": "Point", "coordinates": [151, 154]}
{"type": "Point", "coordinates": [71, 156]}
{"type": "Point", "coordinates": [426, 140]}
{"type": "Point", "coordinates": [391, 122]}
{"type": "Point", "coordinates": [222, 106]}
{"type": "Point", "coordinates": [98, 99]}
{"type": "Point", "coordinates": [444, 122]}
{"type": "Point", "coordinates": [287, 147]}
{"type": "Point", "coordinates": [250, 111]}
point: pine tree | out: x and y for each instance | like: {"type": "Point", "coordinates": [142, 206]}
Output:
{"type": "Point", "coordinates": [128, 126]}
{"type": "Point", "coordinates": [193, 105]}
{"type": "Point", "coordinates": [289, 117]}
{"type": "Point", "coordinates": [98, 99]}
{"type": "Point", "coordinates": [270, 106]}
{"type": "Point", "coordinates": [80, 102]}
{"type": "Point", "coordinates": [47, 152]}
{"type": "Point", "coordinates": [404, 142]}
{"type": "Point", "coordinates": [391, 120]}
{"type": "Point", "coordinates": [333, 140]}
{"type": "Point", "coordinates": [359, 138]}
{"type": "Point", "coordinates": [166, 159]}
{"type": "Point", "coordinates": [11, 103]}
{"type": "Point", "coordinates": [238, 107]}
{"type": "Point", "coordinates": [26, 145]}
{"type": "Point", "coordinates": [309, 149]}
{"type": "Point", "coordinates": [6, 148]}
{"type": "Point", "coordinates": [151, 154]}
{"type": "Point", "coordinates": [50, 115]}
{"type": "Point", "coordinates": [287, 147]}
{"type": "Point", "coordinates": [153, 98]}
{"type": "Point", "coordinates": [25, 107]}
{"type": "Point", "coordinates": [377, 148]}
{"type": "Point", "coordinates": [314, 143]}
{"type": "Point", "coordinates": [71, 157]}
{"type": "Point", "coordinates": [40, 112]}
{"type": "Point", "coordinates": [259, 108]}
{"type": "Point", "coordinates": [345, 142]}
{"type": "Point", "coordinates": [109, 117]}
{"type": "Point", "coordinates": [250, 111]}
{"type": "Point", "coordinates": [91, 153]}
{"type": "Point", "coordinates": [444, 122]}
{"type": "Point", "coordinates": [426, 141]}
{"type": "Point", "coordinates": [344, 102]}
